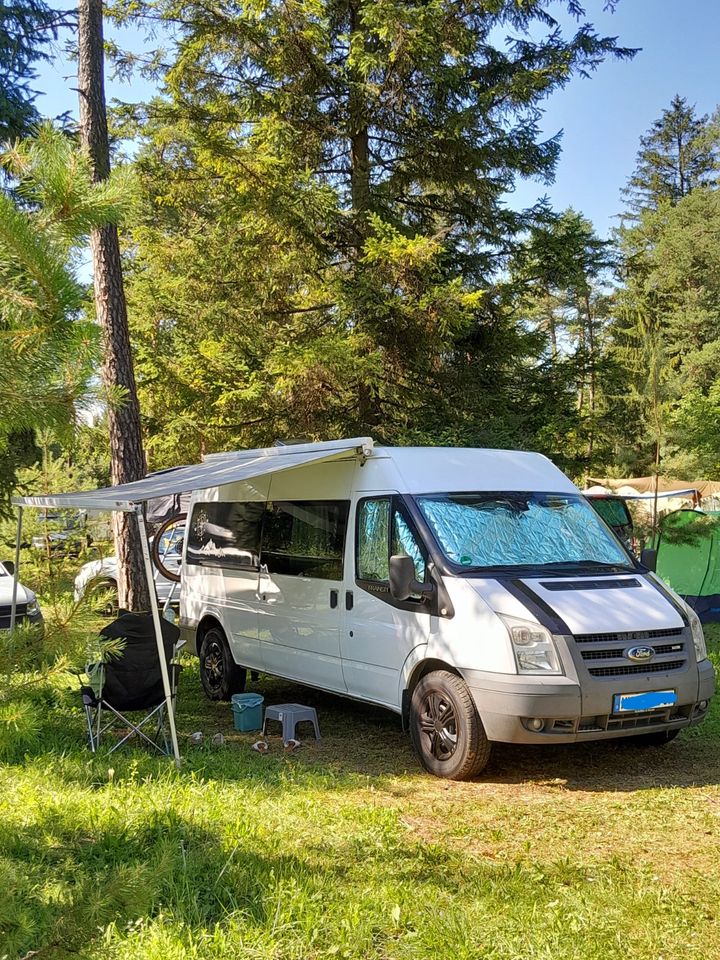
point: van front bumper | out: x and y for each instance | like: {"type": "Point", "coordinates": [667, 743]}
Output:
{"type": "Point", "coordinates": [508, 703]}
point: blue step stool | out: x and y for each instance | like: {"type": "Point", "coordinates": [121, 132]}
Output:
{"type": "Point", "coordinates": [289, 715]}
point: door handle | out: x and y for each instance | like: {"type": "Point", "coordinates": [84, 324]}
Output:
{"type": "Point", "coordinates": [349, 600]}
{"type": "Point", "coordinates": [333, 599]}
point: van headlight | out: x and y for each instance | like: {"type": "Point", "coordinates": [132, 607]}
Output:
{"type": "Point", "coordinates": [33, 607]}
{"type": "Point", "coordinates": [697, 634]}
{"type": "Point", "coordinates": [533, 646]}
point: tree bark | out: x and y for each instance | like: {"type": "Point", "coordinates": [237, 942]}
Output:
{"type": "Point", "coordinates": [126, 448]}
{"type": "Point", "coordinates": [359, 138]}
{"type": "Point", "coordinates": [591, 372]}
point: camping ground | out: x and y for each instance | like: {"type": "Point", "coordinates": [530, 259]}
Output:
{"type": "Point", "coordinates": [345, 849]}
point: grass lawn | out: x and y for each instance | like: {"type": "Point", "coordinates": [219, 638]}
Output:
{"type": "Point", "coordinates": [345, 849]}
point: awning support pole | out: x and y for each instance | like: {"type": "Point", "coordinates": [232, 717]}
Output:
{"type": "Point", "coordinates": [16, 571]}
{"type": "Point", "coordinates": [158, 631]}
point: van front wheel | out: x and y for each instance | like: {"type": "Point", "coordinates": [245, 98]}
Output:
{"type": "Point", "coordinates": [220, 676]}
{"type": "Point", "coordinates": [446, 731]}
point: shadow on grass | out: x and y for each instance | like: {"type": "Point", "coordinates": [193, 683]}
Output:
{"type": "Point", "coordinates": [361, 742]}
{"type": "Point", "coordinates": [609, 766]}
{"type": "Point", "coordinates": [360, 739]}
{"type": "Point", "coordinates": [75, 869]}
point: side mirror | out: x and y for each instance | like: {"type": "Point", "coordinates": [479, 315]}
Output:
{"type": "Point", "coordinates": [648, 558]}
{"type": "Point", "coordinates": [9, 566]}
{"type": "Point", "coordinates": [402, 579]}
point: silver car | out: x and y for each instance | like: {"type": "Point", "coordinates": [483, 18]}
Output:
{"type": "Point", "coordinates": [28, 608]}
{"type": "Point", "coordinates": [101, 576]}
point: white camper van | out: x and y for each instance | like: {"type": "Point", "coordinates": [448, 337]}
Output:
{"type": "Point", "coordinates": [475, 592]}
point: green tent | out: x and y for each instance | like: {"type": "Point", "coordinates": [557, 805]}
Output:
{"type": "Point", "coordinates": [688, 559]}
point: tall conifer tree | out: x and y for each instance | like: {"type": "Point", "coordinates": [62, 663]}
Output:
{"type": "Point", "coordinates": [327, 213]}
{"type": "Point", "coordinates": [126, 447]}
{"type": "Point", "coordinates": [676, 155]}
{"type": "Point", "coordinates": [26, 28]}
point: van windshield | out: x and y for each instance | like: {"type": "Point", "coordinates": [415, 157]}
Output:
{"type": "Point", "coordinates": [550, 532]}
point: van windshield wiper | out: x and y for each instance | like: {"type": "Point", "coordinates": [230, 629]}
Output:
{"type": "Point", "coordinates": [584, 564]}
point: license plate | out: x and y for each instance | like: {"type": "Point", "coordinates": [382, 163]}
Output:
{"type": "Point", "coordinates": [652, 700]}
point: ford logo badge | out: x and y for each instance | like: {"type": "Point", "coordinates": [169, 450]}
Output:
{"type": "Point", "coordinates": [641, 654]}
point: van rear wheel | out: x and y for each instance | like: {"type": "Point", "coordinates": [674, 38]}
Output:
{"type": "Point", "coordinates": [446, 731]}
{"type": "Point", "coordinates": [220, 676]}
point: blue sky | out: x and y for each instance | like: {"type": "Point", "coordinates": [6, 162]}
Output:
{"type": "Point", "coordinates": [601, 118]}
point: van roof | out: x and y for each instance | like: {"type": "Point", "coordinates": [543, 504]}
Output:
{"type": "Point", "coordinates": [457, 469]}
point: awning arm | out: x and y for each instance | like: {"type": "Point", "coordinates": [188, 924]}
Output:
{"type": "Point", "coordinates": [158, 631]}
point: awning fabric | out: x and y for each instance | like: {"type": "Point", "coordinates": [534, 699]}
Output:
{"type": "Point", "coordinates": [706, 488]}
{"type": "Point", "coordinates": [629, 493]}
{"type": "Point", "coordinates": [213, 471]}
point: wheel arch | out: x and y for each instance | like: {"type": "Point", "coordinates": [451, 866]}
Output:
{"type": "Point", "coordinates": [208, 621]}
{"type": "Point", "coordinates": [418, 671]}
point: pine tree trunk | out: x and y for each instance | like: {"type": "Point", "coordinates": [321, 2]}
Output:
{"type": "Point", "coordinates": [359, 138]}
{"type": "Point", "coordinates": [126, 450]}
{"type": "Point", "coordinates": [591, 375]}
{"type": "Point", "coordinates": [681, 166]}
{"type": "Point", "coordinates": [368, 409]}
{"type": "Point", "coordinates": [552, 327]}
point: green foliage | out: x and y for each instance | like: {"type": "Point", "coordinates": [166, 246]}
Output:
{"type": "Point", "coordinates": [20, 724]}
{"type": "Point", "coordinates": [27, 27]}
{"type": "Point", "coordinates": [324, 220]}
{"type": "Point", "coordinates": [694, 422]}
{"type": "Point", "coordinates": [48, 346]}
{"type": "Point", "coordinates": [561, 277]}
{"type": "Point", "coordinates": [344, 849]}
{"type": "Point", "coordinates": [679, 153]}
{"type": "Point", "coordinates": [668, 329]}
{"type": "Point", "coordinates": [666, 325]}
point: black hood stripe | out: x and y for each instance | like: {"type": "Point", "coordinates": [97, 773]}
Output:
{"type": "Point", "coordinates": [541, 610]}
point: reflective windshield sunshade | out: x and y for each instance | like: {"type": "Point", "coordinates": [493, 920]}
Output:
{"type": "Point", "coordinates": [519, 529]}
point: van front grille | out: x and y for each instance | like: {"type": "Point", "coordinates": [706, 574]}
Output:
{"type": "Point", "coordinates": [619, 653]}
{"type": "Point", "coordinates": [625, 670]}
{"type": "Point", "coordinates": [634, 636]}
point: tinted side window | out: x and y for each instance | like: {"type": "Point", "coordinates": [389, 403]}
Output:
{"type": "Point", "coordinates": [225, 534]}
{"type": "Point", "coordinates": [305, 538]}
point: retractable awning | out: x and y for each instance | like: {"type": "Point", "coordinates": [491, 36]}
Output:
{"type": "Point", "coordinates": [215, 470]}
{"type": "Point", "coordinates": [212, 472]}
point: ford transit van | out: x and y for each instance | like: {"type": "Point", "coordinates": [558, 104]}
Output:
{"type": "Point", "coordinates": [474, 592]}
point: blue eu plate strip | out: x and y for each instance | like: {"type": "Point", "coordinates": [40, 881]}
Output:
{"type": "Point", "coordinates": [654, 700]}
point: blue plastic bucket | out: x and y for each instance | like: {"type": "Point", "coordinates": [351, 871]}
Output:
{"type": "Point", "coordinates": [247, 711]}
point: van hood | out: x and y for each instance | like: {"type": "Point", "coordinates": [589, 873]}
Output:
{"type": "Point", "coordinates": [6, 591]}
{"type": "Point", "coordinates": [589, 604]}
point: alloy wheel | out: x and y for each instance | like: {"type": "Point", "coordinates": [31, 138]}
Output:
{"type": "Point", "coordinates": [438, 725]}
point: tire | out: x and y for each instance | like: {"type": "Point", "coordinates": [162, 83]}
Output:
{"type": "Point", "coordinates": [220, 676]}
{"type": "Point", "coordinates": [172, 575]}
{"type": "Point", "coordinates": [657, 739]}
{"type": "Point", "coordinates": [446, 731]}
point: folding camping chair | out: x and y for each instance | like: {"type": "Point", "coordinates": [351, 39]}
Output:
{"type": "Point", "coordinates": [132, 681]}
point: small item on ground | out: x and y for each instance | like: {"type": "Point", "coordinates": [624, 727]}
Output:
{"type": "Point", "coordinates": [218, 740]}
{"type": "Point", "coordinates": [289, 715]}
{"type": "Point", "coordinates": [260, 746]}
{"type": "Point", "coordinates": [196, 738]}
{"type": "Point", "coordinates": [291, 745]}
{"type": "Point", "coordinates": [247, 711]}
